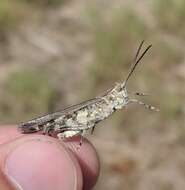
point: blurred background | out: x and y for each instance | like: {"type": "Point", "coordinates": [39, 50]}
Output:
{"type": "Point", "coordinates": [55, 53]}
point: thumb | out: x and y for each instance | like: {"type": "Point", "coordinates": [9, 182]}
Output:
{"type": "Point", "coordinates": [38, 162]}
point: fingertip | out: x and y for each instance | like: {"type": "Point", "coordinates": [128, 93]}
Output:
{"type": "Point", "coordinates": [41, 162]}
{"type": "Point", "coordinates": [88, 159]}
{"type": "Point", "coordinates": [8, 133]}
{"type": "Point", "coordinates": [85, 154]}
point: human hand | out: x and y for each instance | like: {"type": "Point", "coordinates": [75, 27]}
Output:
{"type": "Point", "coordinates": [38, 162]}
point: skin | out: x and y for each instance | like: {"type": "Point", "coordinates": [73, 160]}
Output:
{"type": "Point", "coordinates": [40, 162]}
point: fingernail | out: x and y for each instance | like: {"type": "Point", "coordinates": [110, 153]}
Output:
{"type": "Point", "coordinates": [37, 165]}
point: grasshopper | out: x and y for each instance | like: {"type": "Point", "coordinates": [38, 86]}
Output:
{"type": "Point", "coordinates": [77, 119]}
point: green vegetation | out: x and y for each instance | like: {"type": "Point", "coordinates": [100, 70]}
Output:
{"type": "Point", "coordinates": [168, 55]}
{"type": "Point", "coordinates": [13, 12]}
{"type": "Point", "coordinates": [27, 93]}
{"type": "Point", "coordinates": [111, 41]}
{"type": "Point", "coordinates": [171, 105]}
{"type": "Point", "coordinates": [115, 42]}
{"type": "Point", "coordinates": [170, 16]}
{"type": "Point", "coordinates": [45, 2]}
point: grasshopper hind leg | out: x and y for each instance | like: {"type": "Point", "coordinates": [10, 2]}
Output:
{"type": "Point", "coordinates": [72, 133]}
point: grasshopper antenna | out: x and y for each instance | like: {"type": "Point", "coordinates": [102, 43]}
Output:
{"type": "Point", "coordinates": [136, 61]}
{"type": "Point", "coordinates": [138, 51]}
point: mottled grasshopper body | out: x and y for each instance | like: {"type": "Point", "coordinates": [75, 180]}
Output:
{"type": "Point", "coordinates": [79, 118]}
